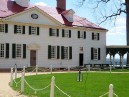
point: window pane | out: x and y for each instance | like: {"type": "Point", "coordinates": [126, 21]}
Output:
{"type": "Point", "coordinates": [66, 33]}
{"type": "Point", "coordinates": [2, 28]}
{"type": "Point", "coordinates": [53, 32]}
{"type": "Point", "coordinates": [18, 51]}
{"type": "Point", "coordinates": [65, 52]}
{"type": "Point", "coordinates": [19, 29]}
{"type": "Point", "coordinates": [95, 53]}
{"type": "Point", "coordinates": [2, 48]}
{"type": "Point", "coordinates": [53, 51]}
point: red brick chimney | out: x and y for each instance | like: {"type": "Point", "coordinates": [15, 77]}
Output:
{"type": "Point", "coordinates": [61, 4]}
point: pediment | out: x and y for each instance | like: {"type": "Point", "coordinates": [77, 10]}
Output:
{"type": "Point", "coordinates": [33, 16]}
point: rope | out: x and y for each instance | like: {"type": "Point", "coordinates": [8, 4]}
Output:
{"type": "Point", "coordinates": [34, 88]}
{"type": "Point", "coordinates": [104, 94]}
{"type": "Point", "coordinates": [16, 82]}
{"type": "Point", "coordinates": [115, 95]}
{"type": "Point", "coordinates": [62, 91]}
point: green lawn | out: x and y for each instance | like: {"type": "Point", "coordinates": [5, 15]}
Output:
{"type": "Point", "coordinates": [93, 84]}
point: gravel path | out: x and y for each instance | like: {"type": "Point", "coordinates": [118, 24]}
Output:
{"type": "Point", "coordinates": [5, 89]}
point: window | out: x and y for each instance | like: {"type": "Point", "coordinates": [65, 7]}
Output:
{"type": "Point", "coordinates": [95, 53]}
{"type": "Point", "coordinates": [82, 34]}
{"type": "Point", "coordinates": [66, 33]}
{"type": "Point", "coordinates": [95, 36]}
{"type": "Point", "coordinates": [54, 32]}
{"type": "Point", "coordinates": [4, 28]}
{"type": "Point", "coordinates": [2, 50]}
{"type": "Point", "coordinates": [53, 52]}
{"type": "Point", "coordinates": [33, 30]}
{"type": "Point", "coordinates": [18, 29]}
{"type": "Point", "coordinates": [18, 50]}
{"type": "Point", "coordinates": [66, 52]}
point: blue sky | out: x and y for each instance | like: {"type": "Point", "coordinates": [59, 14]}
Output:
{"type": "Point", "coordinates": [116, 34]}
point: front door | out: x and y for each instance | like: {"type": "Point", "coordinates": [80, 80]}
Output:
{"type": "Point", "coordinates": [80, 59]}
{"type": "Point", "coordinates": [33, 58]}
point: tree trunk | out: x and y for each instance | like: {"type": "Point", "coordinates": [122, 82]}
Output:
{"type": "Point", "coordinates": [127, 26]}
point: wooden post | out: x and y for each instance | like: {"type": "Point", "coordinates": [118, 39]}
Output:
{"type": "Point", "coordinates": [24, 70]}
{"type": "Point", "coordinates": [36, 69]}
{"type": "Point", "coordinates": [11, 78]}
{"type": "Point", "coordinates": [15, 71]}
{"type": "Point", "coordinates": [22, 83]}
{"type": "Point", "coordinates": [52, 87]}
{"type": "Point", "coordinates": [110, 90]}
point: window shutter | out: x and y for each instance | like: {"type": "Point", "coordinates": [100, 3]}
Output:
{"type": "Point", "coordinates": [49, 52]}
{"type": "Point", "coordinates": [15, 29]}
{"type": "Point", "coordinates": [98, 36]}
{"type": "Point", "coordinates": [7, 50]}
{"type": "Point", "coordinates": [84, 34]}
{"type": "Point", "coordinates": [70, 52]}
{"type": "Point", "coordinates": [23, 31]}
{"type": "Point", "coordinates": [29, 30]}
{"type": "Point", "coordinates": [62, 32]}
{"type": "Point", "coordinates": [92, 54]}
{"type": "Point", "coordinates": [69, 33]}
{"type": "Point", "coordinates": [6, 28]}
{"type": "Point", "coordinates": [58, 52]}
{"type": "Point", "coordinates": [24, 51]}
{"type": "Point", "coordinates": [37, 30]}
{"type": "Point", "coordinates": [99, 54]}
{"type": "Point", "coordinates": [50, 31]}
{"type": "Point", "coordinates": [78, 34]}
{"type": "Point", "coordinates": [92, 36]}
{"type": "Point", "coordinates": [62, 52]}
{"type": "Point", "coordinates": [13, 50]}
{"type": "Point", "coordinates": [57, 32]}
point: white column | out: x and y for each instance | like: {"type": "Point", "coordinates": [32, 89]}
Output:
{"type": "Point", "coordinates": [113, 61]}
{"type": "Point", "coordinates": [52, 87]}
{"type": "Point", "coordinates": [110, 90]}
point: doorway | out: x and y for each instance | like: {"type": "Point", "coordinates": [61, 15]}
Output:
{"type": "Point", "coordinates": [81, 58]}
{"type": "Point", "coordinates": [33, 58]}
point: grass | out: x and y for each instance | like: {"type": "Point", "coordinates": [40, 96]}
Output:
{"type": "Point", "coordinates": [93, 84]}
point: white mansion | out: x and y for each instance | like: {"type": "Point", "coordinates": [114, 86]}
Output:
{"type": "Point", "coordinates": [39, 35]}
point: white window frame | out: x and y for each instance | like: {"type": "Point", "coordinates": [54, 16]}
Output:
{"type": "Point", "coordinates": [19, 50]}
{"type": "Point", "coordinates": [2, 27]}
{"type": "Point", "coordinates": [66, 33]}
{"type": "Point", "coordinates": [19, 29]}
{"type": "Point", "coordinates": [82, 34]}
{"type": "Point", "coordinates": [2, 50]}
{"type": "Point", "coordinates": [66, 52]}
{"type": "Point", "coordinates": [53, 52]}
{"type": "Point", "coordinates": [33, 30]}
{"type": "Point", "coordinates": [54, 32]}
{"type": "Point", "coordinates": [95, 53]}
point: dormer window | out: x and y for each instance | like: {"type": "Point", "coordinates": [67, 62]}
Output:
{"type": "Point", "coordinates": [68, 14]}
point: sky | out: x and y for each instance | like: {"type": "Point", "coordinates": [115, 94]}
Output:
{"type": "Point", "coordinates": [117, 32]}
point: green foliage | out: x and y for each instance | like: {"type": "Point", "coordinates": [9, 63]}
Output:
{"type": "Point", "coordinates": [93, 84]}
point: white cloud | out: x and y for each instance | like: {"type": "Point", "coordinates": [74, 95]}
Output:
{"type": "Point", "coordinates": [41, 4]}
{"type": "Point", "coordinates": [119, 28]}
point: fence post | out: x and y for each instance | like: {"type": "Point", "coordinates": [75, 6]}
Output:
{"type": "Point", "coordinates": [15, 71]}
{"type": "Point", "coordinates": [24, 70]}
{"type": "Point", "coordinates": [11, 79]}
{"type": "Point", "coordinates": [110, 90]}
{"type": "Point", "coordinates": [51, 69]}
{"type": "Point", "coordinates": [36, 69]}
{"type": "Point", "coordinates": [52, 86]}
{"type": "Point", "coordinates": [110, 68]}
{"type": "Point", "coordinates": [22, 83]}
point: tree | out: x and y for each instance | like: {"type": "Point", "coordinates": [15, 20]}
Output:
{"type": "Point", "coordinates": [117, 8]}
